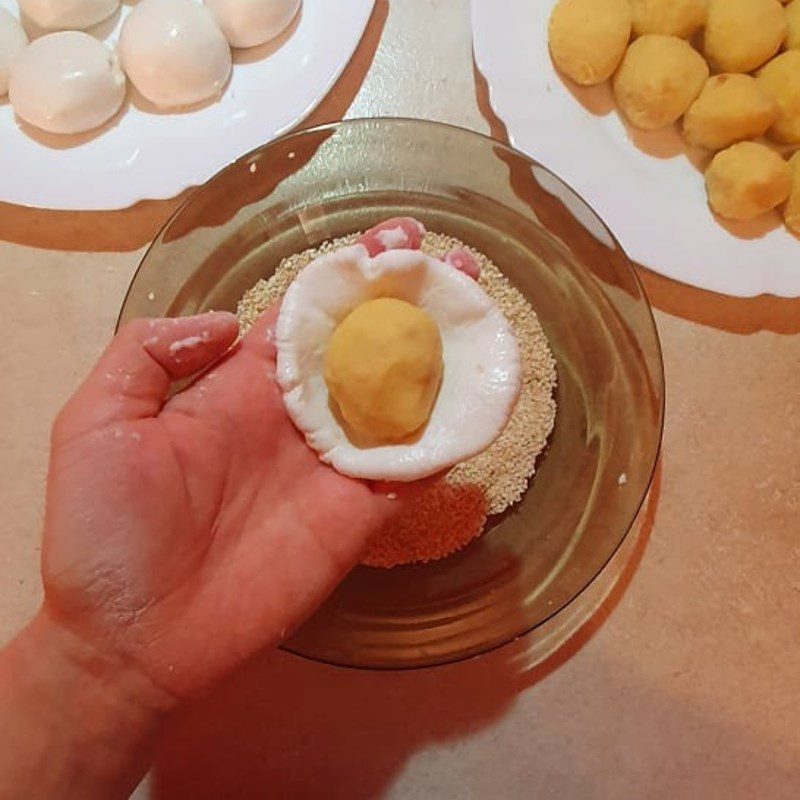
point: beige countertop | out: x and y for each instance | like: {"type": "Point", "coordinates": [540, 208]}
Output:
{"type": "Point", "coordinates": [684, 685]}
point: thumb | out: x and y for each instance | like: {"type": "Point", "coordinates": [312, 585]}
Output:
{"type": "Point", "coordinates": [260, 339]}
{"type": "Point", "coordinates": [133, 375]}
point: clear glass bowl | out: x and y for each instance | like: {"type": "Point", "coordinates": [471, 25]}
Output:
{"type": "Point", "coordinates": [538, 557]}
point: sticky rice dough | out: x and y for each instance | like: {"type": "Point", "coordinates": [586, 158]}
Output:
{"type": "Point", "coordinates": [247, 23]}
{"type": "Point", "coordinates": [66, 82]}
{"type": "Point", "coordinates": [60, 15]}
{"type": "Point", "coordinates": [174, 52]}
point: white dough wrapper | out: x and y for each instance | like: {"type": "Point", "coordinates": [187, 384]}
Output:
{"type": "Point", "coordinates": [62, 15]}
{"type": "Point", "coordinates": [12, 42]}
{"type": "Point", "coordinates": [482, 371]}
{"type": "Point", "coordinates": [174, 52]}
{"type": "Point", "coordinates": [67, 82]}
{"type": "Point", "coordinates": [247, 23]}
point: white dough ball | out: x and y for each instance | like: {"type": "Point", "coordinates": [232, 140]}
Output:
{"type": "Point", "coordinates": [174, 52]}
{"type": "Point", "coordinates": [66, 82]}
{"type": "Point", "coordinates": [12, 42]}
{"type": "Point", "coordinates": [247, 23]}
{"type": "Point", "coordinates": [56, 15]}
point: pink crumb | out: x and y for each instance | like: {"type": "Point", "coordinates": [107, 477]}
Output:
{"type": "Point", "coordinates": [464, 262]}
{"type": "Point", "coordinates": [399, 233]}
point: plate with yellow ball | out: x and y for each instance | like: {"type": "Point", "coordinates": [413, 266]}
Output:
{"type": "Point", "coordinates": [648, 185]}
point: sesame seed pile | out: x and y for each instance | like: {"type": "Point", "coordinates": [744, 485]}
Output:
{"type": "Point", "coordinates": [447, 515]}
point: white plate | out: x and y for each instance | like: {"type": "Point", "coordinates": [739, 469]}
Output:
{"type": "Point", "coordinates": [143, 154]}
{"type": "Point", "coordinates": [654, 202]}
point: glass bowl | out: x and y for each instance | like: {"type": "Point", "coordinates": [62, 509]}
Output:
{"type": "Point", "coordinates": [538, 557]}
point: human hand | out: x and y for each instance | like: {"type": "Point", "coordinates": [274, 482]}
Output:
{"type": "Point", "coordinates": [185, 534]}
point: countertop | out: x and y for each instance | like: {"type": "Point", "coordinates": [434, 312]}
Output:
{"type": "Point", "coordinates": [684, 684]}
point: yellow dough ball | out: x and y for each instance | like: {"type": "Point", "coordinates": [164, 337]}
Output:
{"type": "Point", "coordinates": [588, 38]}
{"type": "Point", "coordinates": [658, 79]}
{"type": "Point", "coordinates": [741, 35]}
{"type": "Point", "coordinates": [671, 17]}
{"type": "Point", "coordinates": [792, 211]}
{"type": "Point", "coordinates": [731, 108]}
{"type": "Point", "coordinates": [747, 180]}
{"type": "Point", "coordinates": [383, 366]}
{"type": "Point", "coordinates": [781, 80]}
{"type": "Point", "coordinates": [793, 25]}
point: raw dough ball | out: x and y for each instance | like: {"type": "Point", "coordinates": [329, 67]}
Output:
{"type": "Point", "coordinates": [793, 25]}
{"type": "Point", "coordinates": [383, 367]}
{"type": "Point", "coordinates": [588, 38]}
{"type": "Point", "coordinates": [747, 180]}
{"type": "Point", "coordinates": [247, 23]}
{"type": "Point", "coordinates": [781, 79]}
{"type": "Point", "coordinates": [671, 17]}
{"type": "Point", "coordinates": [12, 42]}
{"type": "Point", "coordinates": [66, 82]}
{"type": "Point", "coordinates": [743, 34]}
{"type": "Point", "coordinates": [792, 211]}
{"type": "Point", "coordinates": [57, 15]}
{"type": "Point", "coordinates": [731, 108]}
{"type": "Point", "coordinates": [658, 79]}
{"type": "Point", "coordinates": [174, 52]}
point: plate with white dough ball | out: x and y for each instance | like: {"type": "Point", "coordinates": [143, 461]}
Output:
{"type": "Point", "coordinates": [648, 185]}
{"type": "Point", "coordinates": [237, 74]}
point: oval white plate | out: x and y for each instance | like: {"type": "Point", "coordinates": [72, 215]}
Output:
{"type": "Point", "coordinates": [648, 192]}
{"type": "Point", "coordinates": [143, 154]}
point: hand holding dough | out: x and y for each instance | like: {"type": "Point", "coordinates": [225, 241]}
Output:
{"type": "Point", "coordinates": [66, 82]}
{"type": "Point", "coordinates": [62, 15]}
{"type": "Point", "coordinates": [247, 23]}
